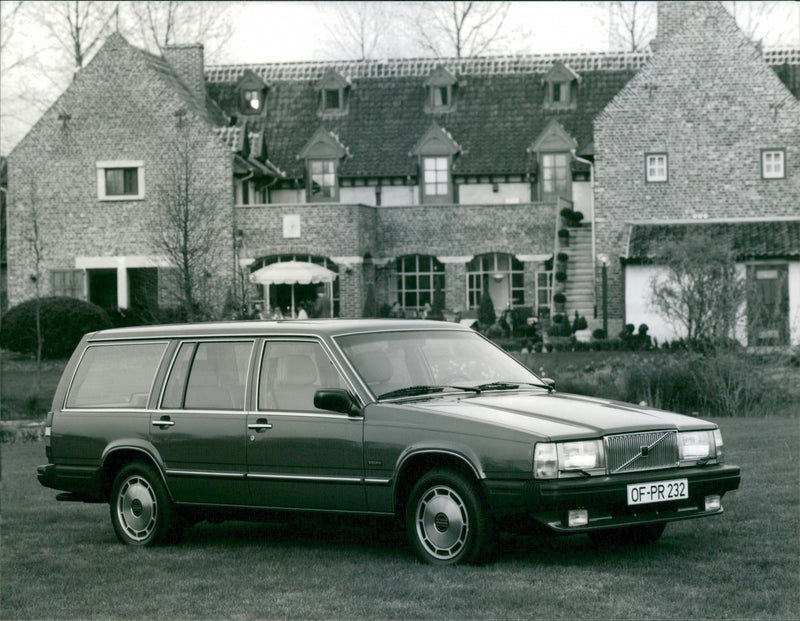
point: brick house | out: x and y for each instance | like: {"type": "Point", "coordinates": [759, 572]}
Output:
{"type": "Point", "coordinates": [417, 181]}
{"type": "Point", "coordinates": [705, 137]}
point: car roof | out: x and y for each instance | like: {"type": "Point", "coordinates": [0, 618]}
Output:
{"type": "Point", "coordinates": [303, 327]}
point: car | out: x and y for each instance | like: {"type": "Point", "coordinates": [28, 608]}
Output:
{"type": "Point", "coordinates": [427, 421]}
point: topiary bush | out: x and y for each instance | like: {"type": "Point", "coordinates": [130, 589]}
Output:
{"type": "Point", "coordinates": [63, 321]}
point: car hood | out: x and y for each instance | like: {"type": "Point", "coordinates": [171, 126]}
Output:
{"type": "Point", "coordinates": [559, 416]}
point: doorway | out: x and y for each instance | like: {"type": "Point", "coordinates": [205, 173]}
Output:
{"type": "Point", "coordinates": [768, 305]}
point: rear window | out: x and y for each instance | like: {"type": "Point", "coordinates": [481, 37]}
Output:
{"type": "Point", "coordinates": [115, 376]}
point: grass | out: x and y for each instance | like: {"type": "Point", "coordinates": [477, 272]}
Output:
{"type": "Point", "coordinates": [61, 560]}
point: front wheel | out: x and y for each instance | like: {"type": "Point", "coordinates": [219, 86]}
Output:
{"type": "Point", "coordinates": [447, 520]}
{"type": "Point", "coordinates": [628, 536]}
{"type": "Point", "coordinates": [141, 512]}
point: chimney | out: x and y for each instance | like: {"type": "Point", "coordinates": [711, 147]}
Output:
{"type": "Point", "coordinates": [187, 61]}
{"type": "Point", "coordinates": [675, 16]}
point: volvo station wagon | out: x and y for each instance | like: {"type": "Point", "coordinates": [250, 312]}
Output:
{"type": "Point", "coordinates": [426, 421]}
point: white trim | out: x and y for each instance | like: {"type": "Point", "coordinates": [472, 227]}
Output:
{"type": "Point", "coordinates": [462, 259]}
{"type": "Point", "coordinates": [121, 264]}
{"type": "Point", "coordinates": [103, 165]}
{"type": "Point", "coordinates": [534, 258]}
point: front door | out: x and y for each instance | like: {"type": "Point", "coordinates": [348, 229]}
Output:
{"type": "Point", "coordinates": [768, 305]}
{"type": "Point", "coordinates": [299, 456]}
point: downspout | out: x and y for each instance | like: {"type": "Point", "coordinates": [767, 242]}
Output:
{"type": "Point", "coordinates": [594, 248]}
{"type": "Point", "coordinates": [236, 267]}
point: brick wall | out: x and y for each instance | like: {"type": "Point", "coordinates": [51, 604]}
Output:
{"type": "Point", "coordinates": [709, 101]}
{"type": "Point", "coordinates": [119, 109]}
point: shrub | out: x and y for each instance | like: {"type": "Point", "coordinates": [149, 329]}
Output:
{"type": "Point", "coordinates": [598, 333]}
{"type": "Point", "coordinates": [486, 315]}
{"type": "Point", "coordinates": [563, 233]}
{"type": "Point", "coordinates": [63, 322]}
{"type": "Point", "coordinates": [561, 276]}
{"type": "Point", "coordinates": [562, 257]}
{"type": "Point", "coordinates": [579, 322]}
{"type": "Point", "coordinates": [559, 298]}
{"type": "Point", "coordinates": [577, 217]}
{"type": "Point", "coordinates": [567, 213]}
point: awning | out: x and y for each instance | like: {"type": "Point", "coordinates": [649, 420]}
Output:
{"type": "Point", "coordinates": [292, 273]}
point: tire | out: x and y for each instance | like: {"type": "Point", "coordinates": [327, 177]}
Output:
{"type": "Point", "coordinates": [629, 536]}
{"type": "Point", "coordinates": [141, 511]}
{"type": "Point", "coordinates": [447, 520]}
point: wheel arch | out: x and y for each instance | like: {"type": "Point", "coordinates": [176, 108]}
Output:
{"type": "Point", "coordinates": [117, 456]}
{"type": "Point", "coordinates": [415, 464]}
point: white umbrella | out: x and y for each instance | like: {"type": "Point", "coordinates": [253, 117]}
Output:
{"type": "Point", "coordinates": [292, 273]}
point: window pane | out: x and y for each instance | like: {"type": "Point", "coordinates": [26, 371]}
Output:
{"type": "Point", "coordinates": [115, 376]}
{"type": "Point", "coordinates": [173, 393]}
{"type": "Point", "coordinates": [331, 98]}
{"type": "Point", "coordinates": [122, 181]}
{"type": "Point", "coordinates": [291, 372]}
{"type": "Point", "coordinates": [217, 378]}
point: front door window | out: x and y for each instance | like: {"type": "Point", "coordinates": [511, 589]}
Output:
{"type": "Point", "coordinates": [768, 305]}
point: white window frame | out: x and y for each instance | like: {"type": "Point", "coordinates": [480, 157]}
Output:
{"type": "Point", "coordinates": [328, 175]}
{"type": "Point", "coordinates": [436, 177]}
{"type": "Point", "coordinates": [435, 275]}
{"type": "Point", "coordinates": [776, 168]}
{"type": "Point", "coordinates": [104, 165]}
{"type": "Point", "coordinates": [340, 97]}
{"type": "Point", "coordinates": [654, 170]}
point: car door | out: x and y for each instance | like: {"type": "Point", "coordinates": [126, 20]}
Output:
{"type": "Point", "coordinates": [201, 424]}
{"type": "Point", "coordinates": [299, 456]}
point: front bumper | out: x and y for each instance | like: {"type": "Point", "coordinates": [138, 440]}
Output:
{"type": "Point", "coordinates": [605, 498]}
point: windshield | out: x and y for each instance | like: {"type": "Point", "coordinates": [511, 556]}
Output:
{"type": "Point", "coordinates": [429, 361]}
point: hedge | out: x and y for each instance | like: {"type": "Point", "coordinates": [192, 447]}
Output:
{"type": "Point", "coordinates": [63, 322]}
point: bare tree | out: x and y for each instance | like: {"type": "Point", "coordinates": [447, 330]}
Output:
{"type": "Point", "coordinates": [358, 30]}
{"type": "Point", "coordinates": [155, 25]}
{"type": "Point", "coordinates": [631, 25]}
{"type": "Point", "coordinates": [189, 224]}
{"type": "Point", "coordinates": [78, 27]}
{"type": "Point", "coordinates": [460, 29]}
{"type": "Point", "coordinates": [701, 291]}
{"type": "Point", "coordinates": [34, 239]}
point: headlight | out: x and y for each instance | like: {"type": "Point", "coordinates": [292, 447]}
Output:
{"type": "Point", "coordinates": [586, 455]}
{"type": "Point", "coordinates": [551, 459]}
{"type": "Point", "coordinates": [545, 461]}
{"type": "Point", "coordinates": [697, 445]}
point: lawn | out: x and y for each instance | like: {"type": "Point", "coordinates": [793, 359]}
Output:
{"type": "Point", "coordinates": [61, 560]}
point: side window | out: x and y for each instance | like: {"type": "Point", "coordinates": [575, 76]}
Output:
{"type": "Point", "coordinates": [115, 376]}
{"type": "Point", "coordinates": [217, 376]}
{"type": "Point", "coordinates": [291, 372]}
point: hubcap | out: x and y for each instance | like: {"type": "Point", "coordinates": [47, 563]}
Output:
{"type": "Point", "coordinates": [442, 522]}
{"type": "Point", "coordinates": [137, 508]}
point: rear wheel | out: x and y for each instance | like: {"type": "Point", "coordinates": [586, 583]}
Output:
{"type": "Point", "coordinates": [141, 511]}
{"type": "Point", "coordinates": [447, 520]}
{"type": "Point", "coordinates": [628, 536]}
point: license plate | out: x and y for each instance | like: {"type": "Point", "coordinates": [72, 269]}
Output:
{"type": "Point", "coordinates": [658, 491]}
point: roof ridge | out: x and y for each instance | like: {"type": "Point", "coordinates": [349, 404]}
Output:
{"type": "Point", "coordinates": [479, 65]}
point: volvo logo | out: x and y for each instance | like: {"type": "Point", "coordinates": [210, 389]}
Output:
{"type": "Point", "coordinates": [644, 451]}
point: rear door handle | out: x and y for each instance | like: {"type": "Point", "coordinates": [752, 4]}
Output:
{"type": "Point", "coordinates": [163, 422]}
{"type": "Point", "coordinates": [260, 426]}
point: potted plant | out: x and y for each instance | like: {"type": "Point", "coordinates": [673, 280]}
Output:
{"type": "Point", "coordinates": [563, 237]}
{"type": "Point", "coordinates": [559, 301]}
{"type": "Point", "coordinates": [561, 276]}
{"type": "Point", "coordinates": [567, 215]}
{"type": "Point", "coordinates": [562, 257]}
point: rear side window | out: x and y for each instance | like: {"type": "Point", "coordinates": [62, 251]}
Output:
{"type": "Point", "coordinates": [115, 376]}
{"type": "Point", "coordinates": [216, 379]}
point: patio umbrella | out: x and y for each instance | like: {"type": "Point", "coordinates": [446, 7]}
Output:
{"type": "Point", "coordinates": [292, 273]}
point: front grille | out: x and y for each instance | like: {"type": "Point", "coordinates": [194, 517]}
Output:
{"type": "Point", "coordinates": [634, 452]}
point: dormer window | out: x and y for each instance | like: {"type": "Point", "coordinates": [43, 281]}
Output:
{"type": "Point", "coordinates": [252, 91]}
{"type": "Point", "coordinates": [553, 149]}
{"type": "Point", "coordinates": [436, 151]}
{"type": "Point", "coordinates": [440, 87]}
{"type": "Point", "coordinates": [560, 86]}
{"type": "Point", "coordinates": [332, 99]}
{"type": "Point", "coordinates": [334, 90]}
{"type": "Point", "coordinates": [252, 100]}
{"type": "Point", "coordinates": [322, 155]}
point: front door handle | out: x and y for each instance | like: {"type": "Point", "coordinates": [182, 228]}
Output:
{"type": "Point", "coordinates": [163, 423]}
{"type": "Point", "coordinates": [260, 426]}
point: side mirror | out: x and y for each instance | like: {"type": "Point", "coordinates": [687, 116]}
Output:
{"type": "Point", "coordinates": [550, 382]}
{"type": "Point", "coordinates": [335, 400]}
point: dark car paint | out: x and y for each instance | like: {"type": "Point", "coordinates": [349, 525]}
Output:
{"type": "Point", "coordinates": [347, 462]}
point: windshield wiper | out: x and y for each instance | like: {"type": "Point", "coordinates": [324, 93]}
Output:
{"type": "Point", "coordinates": [414, 391]}
{"type": "Point", "coordinates": [510, 386]}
